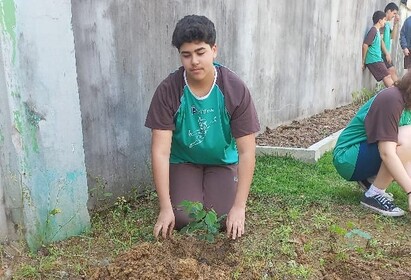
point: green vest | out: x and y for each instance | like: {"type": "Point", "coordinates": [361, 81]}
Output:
{"type": "Point", "coordinates": [203, 132]}
{"type": "Point", "coordinates": [374, 50]}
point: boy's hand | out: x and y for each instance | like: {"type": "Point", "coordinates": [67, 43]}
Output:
{"type": "Point", "coordinates": [165, 223]}
{"type": "Point", "coordinates": [406, 52]}
{"type": "Point", "coordinates": [235, 222]}
{"type": "Point", "coordinates": [388, 58]}
{"type": "Point", "coordinates": [363, 67]}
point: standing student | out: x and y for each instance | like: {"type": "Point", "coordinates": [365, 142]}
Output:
{"type": "Point", "coordinates": [391, 15]}
{"type": "Point", "coordinates": [203, 124]}
{"type": "Point", "coordinates": [377, 142]}
{"type": "Point", "coordinates": [405, 42]}
{"type": "Point", "coordinates": [371, 51]}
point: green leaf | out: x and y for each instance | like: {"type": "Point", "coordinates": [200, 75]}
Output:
{"type": "Point", "coordinates": [338, 230]}
{"type": "Point", "coordinates": [212, 229]}
{"type": "Point", "coordinates": [197, 206]}
{"type": "Point", "coordinates": [200, 215]}
{"type": "Point", "coordinates": [211, 218]}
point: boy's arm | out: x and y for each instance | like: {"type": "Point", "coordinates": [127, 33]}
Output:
{"type": "Point", "coordinates": [385, 51]}
{"type": "Point", "coordinates": [246, 164]}
{"type": "Point", "coordinates": [160, 153]}
{"type": "Point", "coordinates": [364, 53]}
{"type": "Point", "coordinates": [403, 36]}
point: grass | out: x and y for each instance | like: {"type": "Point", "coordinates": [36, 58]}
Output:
{"type": "Point", "coordinates": [302, 220]}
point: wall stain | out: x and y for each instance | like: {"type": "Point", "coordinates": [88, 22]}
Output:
{"type": "Point", "coordinates": [8, 21]}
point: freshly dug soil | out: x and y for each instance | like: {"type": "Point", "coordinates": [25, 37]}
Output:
{"type": "Point", "coordinates": [182, 258]}
{"type": "Point", "coordinates": [306, 132]}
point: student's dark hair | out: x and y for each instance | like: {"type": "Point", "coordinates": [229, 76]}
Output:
{"type": "Point", "coordinates": [377, 16]}
{"type": "Point", "coordinates": [391, 7]}
{"type": "Point", "coordinates": [194, 28]}
{"type": "Point", "coordinates": [404, 85]}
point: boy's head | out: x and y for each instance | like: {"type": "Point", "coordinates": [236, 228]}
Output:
{"type": "Point", "coordinates": [379, 18]}
{"type": "Point", "coordinates": [194, 28]}
{"type": "Point", "coordinates": [391, 10]}
{"type": "Point", "coordinates": [391, 7]}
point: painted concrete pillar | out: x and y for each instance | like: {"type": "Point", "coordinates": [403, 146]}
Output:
{"type": "Point", "coordinates": [42, 126]}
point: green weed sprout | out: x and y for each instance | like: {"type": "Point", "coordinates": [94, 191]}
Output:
{"type": "Point", "coordinates": [205, 224]}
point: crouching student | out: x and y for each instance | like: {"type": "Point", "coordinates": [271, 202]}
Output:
{"type": "Point", "coordinates": [377, 143]}
{"type": "Point", "coordinates": [203, 123]}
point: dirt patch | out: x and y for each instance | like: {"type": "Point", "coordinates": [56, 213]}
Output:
{"type": "Point", "coordinates": [306, 132]}
{"type": "Point", "coordinates": [357, 268]}
{"type": "Point", "coordinates": [180, 258]}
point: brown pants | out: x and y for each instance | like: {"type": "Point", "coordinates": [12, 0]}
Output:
{"type": "Point", "coordinates": [214, 186]}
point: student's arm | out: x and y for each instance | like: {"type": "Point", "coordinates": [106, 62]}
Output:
{"type": "Point", "coordinates": [364, 53]}
{"type": "Point", "coordinates": [160, 153]}
{"type": "Point", "coordinates": [236, 216]}
{"type": "Point", "coordinates": [403, 39]}
{"type": "Point", "coordinates": [388, 153]}
{"type": "Point", "coordinates": [385, 51]}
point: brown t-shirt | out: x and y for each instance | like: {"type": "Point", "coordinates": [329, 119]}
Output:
{"type": "Point", "coordinates": [383, 116]}
{"type": "Point", "coordinates": [238, 102]}
{"type": "Point", "coordinates": [204, 129]}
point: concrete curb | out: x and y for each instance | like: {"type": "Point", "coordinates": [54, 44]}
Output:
{"type": "Point", "coordinates": [310, 155]}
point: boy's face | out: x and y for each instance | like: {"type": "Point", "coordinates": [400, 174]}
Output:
{"type": "Point", "coordinates": [197, 59]}
{"type": "Point", "coordinates": [390, 14]}
{"type": "Point", "coordinates": [382, 21]}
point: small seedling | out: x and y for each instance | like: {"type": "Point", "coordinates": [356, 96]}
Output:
{"type": "Point", "coordinates": [205, 222]}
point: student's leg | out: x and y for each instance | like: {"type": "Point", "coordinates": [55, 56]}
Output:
{"type": "Point", "coordinates": [404, 147]}
{"type": "Point", "coordinates": [186, 183]}
{"type": "Point", "coordinates": [388, 81]}
{"type": "Point", "coordinates": [393, 74]}
{"type": "Point", "coordinates": [220, 188]}
{"type": "Point", "coordinates": [384, 178]}
{"type": "Point", "coordinates": [380, 72]}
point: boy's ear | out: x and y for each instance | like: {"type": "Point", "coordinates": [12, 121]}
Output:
{"type": "Point", "coordinates": [214, 49]}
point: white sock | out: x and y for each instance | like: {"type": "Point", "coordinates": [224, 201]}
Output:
{"type": "Point", "coordinates": [373, 190]}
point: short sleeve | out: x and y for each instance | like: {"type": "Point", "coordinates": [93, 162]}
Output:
{"type": "Point", "coordinates": [382, 120]}
{"type": "Point", "coordinates": [239, 103]}
{"type": "Point", "coordinates": [165, 103]}
{"type": "Point", "coordinates": [369, 38]}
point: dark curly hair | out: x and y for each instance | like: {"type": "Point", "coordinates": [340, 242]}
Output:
{"type": "Point", "coordinates": [404, 85]}
{"type": "Point", "coordinates": [194, 28]}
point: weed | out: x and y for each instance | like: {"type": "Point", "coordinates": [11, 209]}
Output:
{"type": "Point", "coordinates": [362, 96]}
{"type": "Point", "coordinates": [26, 271]}
{"type": "Point", "coordinates": [322, 220]}
{"type": "Point", "coordinates": [298, 270]}
{"type": "Point", "coordinates": [205, 222]}
{"type": "Point", "coordinates": [98, 192]}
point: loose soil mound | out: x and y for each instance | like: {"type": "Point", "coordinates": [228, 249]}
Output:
{"type": "Point", "coordinates": [180, 258]}
{"type": "Point", "coordinates": [306, 132]}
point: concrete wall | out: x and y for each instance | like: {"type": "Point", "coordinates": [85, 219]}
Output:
{"type": "Point", "coordinates": [43, 175]}
{"type": "Point", "coordinates": [298, 58]}
{"type": "Point", "coordinates": [104, 58]}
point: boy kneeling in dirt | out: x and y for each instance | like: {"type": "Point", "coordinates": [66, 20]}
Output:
{"type": "Point", "coordinates": [377, 144]}
{"type": "Point", "coordinates": [203, 123]}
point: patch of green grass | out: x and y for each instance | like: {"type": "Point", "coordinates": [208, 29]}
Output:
{"type": "Point", "coordinates": [301, 220]}
{"type": "Point", "coordinates": [301, 183]}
